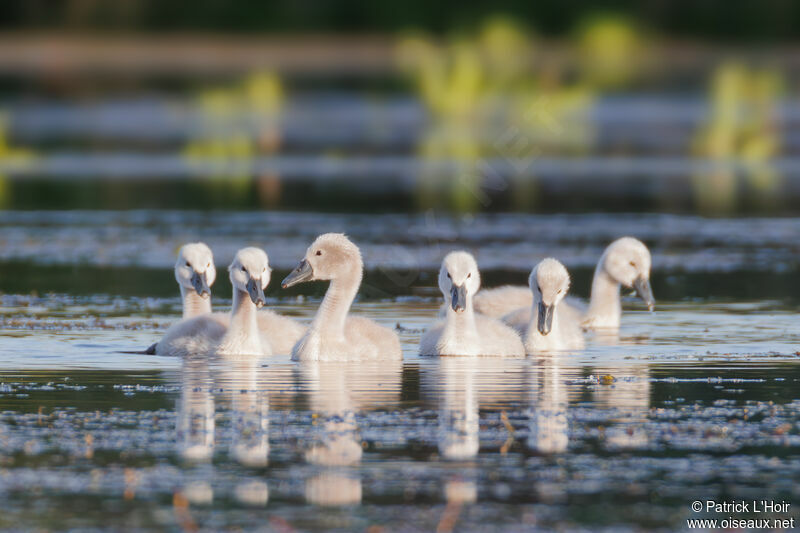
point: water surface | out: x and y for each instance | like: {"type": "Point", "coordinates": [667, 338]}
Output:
{"type": "Point", "coordinates": [695, 401]}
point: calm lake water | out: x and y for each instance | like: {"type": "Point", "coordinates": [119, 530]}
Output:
{"type": "Point", "coordinates": [698, 400]}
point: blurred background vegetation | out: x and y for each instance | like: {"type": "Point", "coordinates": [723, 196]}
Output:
{"type": "Point", "coordinates": [371, 106]}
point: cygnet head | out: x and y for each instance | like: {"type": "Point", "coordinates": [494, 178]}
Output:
{"type": "Point", "coordinates": [194, 269]}
{"type": "Point", "coordinates": [329, 257]}
{"type": "Point", "coordinates": [250, 273]}
{"type": "Point", "coordinates": [549, 282]}
{"type": "Point", "coordinates": [459, 279]}
{"type": "Point", "coordinates": [627, 261]}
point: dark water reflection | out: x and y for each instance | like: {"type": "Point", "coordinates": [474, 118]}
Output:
{"type": "Point", "coordinates": [532, 443]}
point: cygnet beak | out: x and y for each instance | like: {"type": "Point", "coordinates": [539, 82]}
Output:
{"type": "Point", "coordinates": [458, 298]}
{"type": "Point", "coordinates": [545, 323]}
{"type": "Point", "coordinates": [200, 284]}
{"type": "Point", "coordinates": [303, 272]}
{"type": "Point", "coordinates": [642, 286]}
{"type": "Point", "coordinates": [256, 292]}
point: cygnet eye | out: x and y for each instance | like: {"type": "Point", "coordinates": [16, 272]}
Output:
{"type": "Point", "coordinates": [559, 291]}
{"type": "Point", "coordinates": [469, 275]}
{"type": "Point", "coordinates": [188, 265]}
{"type": "Point", "coordinates": [633, 264]}
{"type": "Point", "coordinates": [208, 265]}
{"type": "Point", "coordinates": [244, 269]}
{"type": "Point", "coordinates": [265, 269]}
{"type": "Point", "coordinates": [538, 288]}
{"type": "Point", "coordinates": [319, 252]}
{"type": "Point", "coordinates": [448, 275]}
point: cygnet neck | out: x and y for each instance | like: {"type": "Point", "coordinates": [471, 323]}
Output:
{"type": "Point", "coordinates": [193, 303]}
{"type": "Point", "coordinates": [242, 337]}
{"type": "Point", "coordinates": [604, 304]}
{"type": "Point", "coordinates": [463, 321]}
{"type": "Point", "coordinates": [333, 310]}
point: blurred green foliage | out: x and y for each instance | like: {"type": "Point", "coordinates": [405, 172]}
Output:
{"type": "Point", "coordinates": [491, 96]}
{"type": "Point", "coordinates": [494, 89]}
{"type": "Point", "coordinates": [11, 156]}
{"type": "Point", "coordinates": [240, 122]}
{"type": "Point", "coordinates": [741, 136]}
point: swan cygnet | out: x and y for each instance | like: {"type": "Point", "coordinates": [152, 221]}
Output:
{"type": "Point", "coordinates": [233, 335]}
{"type": "Point", "coordinates": [544, 326]}
{"type": "Point", "coordinates": [195, 274]}
{"type": "Point", "coordinates": [333, 335]}
{"type": "Point", "coordinates": [463, 331]}
{"type": "Point", "coordinates": [625, 263]}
